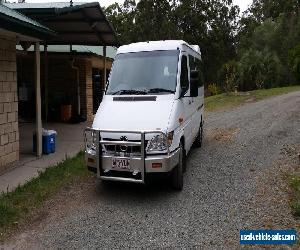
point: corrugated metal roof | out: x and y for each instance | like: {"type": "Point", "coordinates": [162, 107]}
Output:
{"type": "Point", "coordinates": [42, 5]}
{"type": "Point", "coordinates": [97, 50]}
{"type": "Point", "coordinates": [4, 10]}
{"type": "Point", "coordinates": [81, 24]}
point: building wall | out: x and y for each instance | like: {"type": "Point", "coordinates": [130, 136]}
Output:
{"type": "Point", "coordinates": [9, 131]}
{"type": "Point", "coordinates": [86, 82]}
{"type": "Point", "coordinates": [89, 90]}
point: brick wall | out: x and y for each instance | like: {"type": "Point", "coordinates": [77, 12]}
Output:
{"type": "Point", "coordinates": [89, 90]}
{"type": "Point", "coordinates": [92, 62]}
{"type": "Point", "coordinates": [9, 131]}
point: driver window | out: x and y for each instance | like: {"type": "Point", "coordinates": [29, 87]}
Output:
{"type": "Point", "coordinates": [184, 77]}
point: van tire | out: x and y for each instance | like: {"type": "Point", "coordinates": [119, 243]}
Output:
{"type": "Point", "coordinates": [177, 174]}
{"type": "Point", "coordinates": [199, 138]}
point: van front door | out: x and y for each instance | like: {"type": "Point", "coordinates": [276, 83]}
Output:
{"type": "Point", "coordinates": [187, 102]}
{"type": "Point", "coordinates": [195, 64]}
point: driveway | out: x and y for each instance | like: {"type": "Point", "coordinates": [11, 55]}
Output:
{"type": "Point", "coordinates": [230, 184]}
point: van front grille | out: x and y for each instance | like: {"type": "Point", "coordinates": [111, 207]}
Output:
{"type": "Point", "coordinates": [117, 149]}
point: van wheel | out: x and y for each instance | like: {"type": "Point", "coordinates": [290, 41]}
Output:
{"type": "Point", "coordinates": [177, 175]}
{"type": "Point", "coordinates": [199, 138]}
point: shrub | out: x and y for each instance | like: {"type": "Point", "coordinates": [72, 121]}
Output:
{"type": "Point", "coordinates": [213, 89]}
{"type": "Point", "coordinates": [228, 76]}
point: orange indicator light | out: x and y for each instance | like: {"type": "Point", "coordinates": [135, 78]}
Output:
{"type": "Point", "coordinates": [156, 165]}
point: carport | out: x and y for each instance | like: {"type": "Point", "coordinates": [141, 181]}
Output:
{"type": "Point", "coordinates": [75, 24]}
{"type": "Point", "coordinates": [15, 28]}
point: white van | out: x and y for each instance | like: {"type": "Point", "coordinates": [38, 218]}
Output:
{"type": "Point", "coordinates": [151, 113]}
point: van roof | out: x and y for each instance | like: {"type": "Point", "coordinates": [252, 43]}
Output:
{"type": "Point", "coordinates": [156, 45]}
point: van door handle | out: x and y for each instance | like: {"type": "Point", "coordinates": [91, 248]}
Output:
{"type": "Point", "coordinates": [190, 102]}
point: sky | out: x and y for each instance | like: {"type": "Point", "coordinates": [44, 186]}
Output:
{"type": "Point", "coordinates": [242, 3]}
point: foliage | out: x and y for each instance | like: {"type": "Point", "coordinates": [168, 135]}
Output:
{"type": "Point", "coordinates": [258, 69]}
{"type": "Point", "coordinates": [261, 10]}
{"type": "Point", "coordinates": [294, 61]}
{"type": "Point", "coordinates": [213, 89]}
{"type": "Point", "coordinates": [251, 51]}
{"type": "Point", "coordinates": [228, 76]}
{"type": "Point", "coordinates": [210, 24]}
{"type": "Point", "coordinates": [272, 26]}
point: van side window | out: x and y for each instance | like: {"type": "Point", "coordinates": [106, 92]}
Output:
{"type": "Point", "coordinates": [184, 77]}
{"type": "Point", "coordinates": [192, 61]}
{"type": "Point", "coordinates": [201, 75]}
{"type": "Point", "coordinates": [196, 64]}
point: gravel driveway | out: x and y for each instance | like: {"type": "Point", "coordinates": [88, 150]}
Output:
{"type": "Point", "coordinates": [222, 191]}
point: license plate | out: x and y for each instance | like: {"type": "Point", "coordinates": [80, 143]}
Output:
{"type": "Point", "coordinates": [120, 163]}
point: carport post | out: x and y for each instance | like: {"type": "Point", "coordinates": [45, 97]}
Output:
{"type": "Point", "coordinates": [46, 81]}
{"type": "Point", "coordinates": [37, 78]}
{"type": "Point", "coordinates": [104, 67]}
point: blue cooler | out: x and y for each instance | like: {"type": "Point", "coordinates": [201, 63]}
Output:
{"type": "Point", "coordinates": [49, 139]}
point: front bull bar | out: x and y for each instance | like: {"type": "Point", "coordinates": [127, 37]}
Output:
{"type": "Point", "coordinates": [99, 153]}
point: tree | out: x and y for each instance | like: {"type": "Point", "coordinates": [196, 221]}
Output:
{"type": "Point", "coordinates": [264, 9]}
{"type": "Point", "coordinates": [228, 76]}
{"type": "Point", "coordinates": [208, 23]}
{"type": "Point", "coordinates": [122, 17]}
{"type": "Point", "coordinates": [294, 61]}
{"type": "Point", "coordinates": [272, 26]}
{"type": "Point", "coordinates": [153, 21]}
{"type": "Point", "coordinates": [258, 69]}
{"type": "Point", "coordinates": [212, 25]}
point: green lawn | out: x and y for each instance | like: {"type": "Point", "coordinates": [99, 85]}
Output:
{"type": "Point", "coordinates": [225, 101]}
{"type": "Point", "coordinates": [16, 205]}
{"type": "Point", "coordinates": [294, 183]}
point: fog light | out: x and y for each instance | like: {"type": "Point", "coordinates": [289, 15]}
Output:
{"type": "Point", "coordinates": [156, 165]}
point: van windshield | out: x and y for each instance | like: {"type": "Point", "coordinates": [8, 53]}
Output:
{"type": "Point", "coordinates": [144, 73]}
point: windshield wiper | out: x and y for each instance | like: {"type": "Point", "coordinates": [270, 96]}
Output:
{"type": "Point", "coordinates": [160, 90]}
{"type": "Point", "coordinates": [130, 92]}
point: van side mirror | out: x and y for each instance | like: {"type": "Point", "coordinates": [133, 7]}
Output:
{"type": "Point", "coordinates": [194, 80]}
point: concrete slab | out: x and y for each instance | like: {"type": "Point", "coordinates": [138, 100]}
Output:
{"type": "Point", "coordinates": [16, 177]}
{"type": "Point", "coordinates": [69, 142]}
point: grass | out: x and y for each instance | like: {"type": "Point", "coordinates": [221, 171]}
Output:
{"type": "Point", "coordinates": [294, 183]}
{"type": "Point", "coordinates": [17, 205]}
{"type": "Point", "coordinates": [225, 101]}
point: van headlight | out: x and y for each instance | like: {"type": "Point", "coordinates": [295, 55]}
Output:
{"type": "Point", "coordinates": [160, 142]}
{"type": "Point", "coordinates": [90, 142]}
